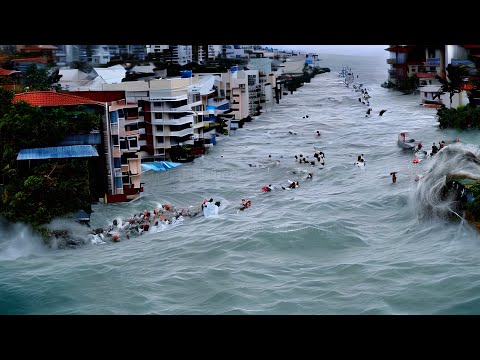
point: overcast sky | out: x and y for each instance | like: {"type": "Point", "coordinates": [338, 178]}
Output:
{"type": "Point", "coordinates": [364, 50]}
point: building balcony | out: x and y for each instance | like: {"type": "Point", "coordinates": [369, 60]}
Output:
{"type": "Point", "coordinates": [163, 145]}
{"type": "Point", "coordinates": [183, 120]}
{"type": "Point", "coordinates": [181, 133]}
{"type": "Point", "coordinates": [188, 106]}
{"type": "Point", "coordinates": [132, 133]}
{"type": "Point", "coordinates": [391, 61]}
{"type": "Point", "coordinates": [135, 119]}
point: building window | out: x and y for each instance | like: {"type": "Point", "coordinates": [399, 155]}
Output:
{"type": "Point", "coordinates": [132, 142]}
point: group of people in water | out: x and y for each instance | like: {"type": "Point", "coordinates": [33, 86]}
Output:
{"type": "Point", "coordinates": [138, 223]}
{"type": "Point", "coordinates": [167, 214]}
{"type": "Point", "coordinates": [348, 78]}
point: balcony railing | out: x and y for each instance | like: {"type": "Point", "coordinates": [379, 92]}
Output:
{"type": "Point", "coordinates": [188, 131]}
{"type": "Point", "coordinates": [132, 133]}
{"type": "Point", "coordinates": [183, 120]}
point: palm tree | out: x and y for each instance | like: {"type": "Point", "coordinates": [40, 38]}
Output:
{"type": "Point", "coordinates": [454, 86]}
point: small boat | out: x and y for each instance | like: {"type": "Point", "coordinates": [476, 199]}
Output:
{"type": "Point", "coordinates": [405, 142]}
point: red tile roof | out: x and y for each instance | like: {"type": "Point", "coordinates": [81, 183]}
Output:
{"type": "Point", "coordinates": [400, 49]}
{"type": "Point", "coordinates": [38, 47]}
{"type": "Point", "coordinates": [5, 72]}
{"type": "Point", "coordinates": [37, 59]}
{"type": "Point", "coordinates": [51, 98]}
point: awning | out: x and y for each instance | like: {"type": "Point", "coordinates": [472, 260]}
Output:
{"type": "Point", "coordinates": [58, 152]}
{"type": "Point", "coordinates": [159, 165]}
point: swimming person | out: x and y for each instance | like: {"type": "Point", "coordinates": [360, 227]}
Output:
{"type": "Point", "coordinates": [394, 178]}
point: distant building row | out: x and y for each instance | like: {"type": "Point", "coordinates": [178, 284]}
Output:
{"type": "Point", "coordinates": [171, 119]}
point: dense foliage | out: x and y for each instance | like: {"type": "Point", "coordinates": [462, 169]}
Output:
{"type": "Point", "coordinates": [474, 206]}
{"type": "Point", "coordinates": [406, 85]}
{"type": "Point", "coordinates": [37, 191]}
{"type": "Point", "coordinates": [463, 117]}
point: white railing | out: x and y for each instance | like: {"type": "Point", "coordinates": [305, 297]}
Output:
{"type": "Point", "coordinates": [183, 120]}
{"type": "Point", "coordinates": [188, 131]}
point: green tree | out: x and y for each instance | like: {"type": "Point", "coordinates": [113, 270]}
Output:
{"type": "Point", "coordinates": [37, 78]}
{"type": "Point", "coordinates": [6, 97]}
{"type": "Point", "coordinates": [454, 86]}
{"type": "Point", "coordinates": [37, 191]}
{"type": "Point", "coordinates": [408, 84]}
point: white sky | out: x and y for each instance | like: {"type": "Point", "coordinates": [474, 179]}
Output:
{"type": "Point", "coordinates": [363, 50]}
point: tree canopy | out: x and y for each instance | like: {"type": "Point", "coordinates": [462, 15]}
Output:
{"type": "Point", "coordinates": [37, 191]}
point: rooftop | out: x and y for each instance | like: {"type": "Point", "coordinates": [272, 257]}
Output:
{"type": "Point", "coordinates": [51, 98]}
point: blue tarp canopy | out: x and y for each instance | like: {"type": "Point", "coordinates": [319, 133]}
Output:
{"type": "Point", "coordinates": [57, 152]}
{"type": "Point", "coordinates": [159, 165]}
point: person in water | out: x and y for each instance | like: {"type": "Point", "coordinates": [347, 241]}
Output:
{"type": "Point", "coordinates": [318, 133]}
{"type": "Point", "coordinates": [394, 178]}
{"type": "Point", "coordinates": [245, 204]}
{"type": "Point", "coordinates": [293, 185]}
